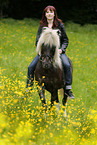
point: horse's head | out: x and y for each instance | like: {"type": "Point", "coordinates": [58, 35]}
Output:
{"type": "Point", "coordinates": [47, 56]}
{"type": "Point", "coordinates": [48, 46]}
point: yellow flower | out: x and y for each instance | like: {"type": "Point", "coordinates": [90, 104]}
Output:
{"type": "Point", "coordinates": [51, 134]}
{"type": "Point", "coordinates": [92, 131]}
{"type": "Point", "coordinates": [19, 93]}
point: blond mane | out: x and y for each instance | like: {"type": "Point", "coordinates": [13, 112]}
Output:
{"type": "Point", "coordinates": [50, 37]}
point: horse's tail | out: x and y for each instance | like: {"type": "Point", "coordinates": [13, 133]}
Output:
{"type": "Point", "coordinates": [71, 67]}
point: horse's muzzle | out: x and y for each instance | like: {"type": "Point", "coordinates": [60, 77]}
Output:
{"type": "Point", "coordinates": [47, 65]}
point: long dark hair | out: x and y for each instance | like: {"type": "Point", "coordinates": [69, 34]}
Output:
{"type": "Point", "coordinates": [43, 22]}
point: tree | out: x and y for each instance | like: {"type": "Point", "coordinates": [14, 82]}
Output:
{"type": "Point", "coordinates": [3, 4]}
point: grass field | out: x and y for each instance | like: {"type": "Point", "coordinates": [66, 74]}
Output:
{"type": "Point", "coordinates": [21, 119]}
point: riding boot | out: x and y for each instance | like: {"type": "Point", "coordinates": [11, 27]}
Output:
{"type": "Point", "coordinates": [70, 94]}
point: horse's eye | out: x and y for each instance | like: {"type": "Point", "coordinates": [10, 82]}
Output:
{"type": "Point", "coordinates": [42, 58]}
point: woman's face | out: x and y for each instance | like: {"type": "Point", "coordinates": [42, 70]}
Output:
{"type": "Point", "coordinates": [49, 14]}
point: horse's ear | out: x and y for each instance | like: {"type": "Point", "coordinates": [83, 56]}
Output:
{"type": "Point", "coordinates": [59, 32]}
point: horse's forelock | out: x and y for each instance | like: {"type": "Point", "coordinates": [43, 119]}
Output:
{"type": "Point", "coordinates": [48, 37]}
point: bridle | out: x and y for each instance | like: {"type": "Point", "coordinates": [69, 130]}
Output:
{"type": "Point", "coordinates": [45, 56]}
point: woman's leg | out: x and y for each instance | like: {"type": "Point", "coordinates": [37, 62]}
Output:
{"type": "Point", "coordinates": [31, 69]}
{"type": "Point", "coordinates": [67, 70]}
{"type": "Point", "coordinates": [68, 74]}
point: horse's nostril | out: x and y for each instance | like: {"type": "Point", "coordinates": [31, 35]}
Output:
{"type": "Point", "coordinates": [46, 66]}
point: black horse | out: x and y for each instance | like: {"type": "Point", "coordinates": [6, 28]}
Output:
{"type": "Point", "coordinates": [48, 72]}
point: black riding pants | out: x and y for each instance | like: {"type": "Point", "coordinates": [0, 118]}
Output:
{"type": "Point", "coordinates": [66, 67]}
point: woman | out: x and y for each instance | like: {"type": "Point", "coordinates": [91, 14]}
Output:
{"type": "Point", "coordinates": [50, 19]}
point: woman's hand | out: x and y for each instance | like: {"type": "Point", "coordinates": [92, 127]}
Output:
{"type": "Point", "coordinates": [39, 53]}
{"type": "Point", "coordinates": [60, 51]}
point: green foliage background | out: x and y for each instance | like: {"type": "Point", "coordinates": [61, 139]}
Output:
{"type": "Point", "coordinates": [22, 121]}
{"type": "Point", "coordinates": [79, 11]}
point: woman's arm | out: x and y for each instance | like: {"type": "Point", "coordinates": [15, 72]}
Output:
{"type": "Point", "coordinates": [64, 38]}
{"type": "Point", "coordinates": [38, 34]}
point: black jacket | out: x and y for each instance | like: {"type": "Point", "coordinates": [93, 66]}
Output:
{"type": "Point", "coordinates": [63, 36]}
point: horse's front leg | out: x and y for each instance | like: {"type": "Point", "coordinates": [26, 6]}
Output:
{"type": "Point", "coordinates": [41, 91]}
{"type": "Point", "coordinates": [54, 97]}
{"type": "Point", "coordinates": [64, 101]}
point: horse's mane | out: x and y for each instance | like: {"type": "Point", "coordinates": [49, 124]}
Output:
{"type": "Point", "coordinates": [50, 37]}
